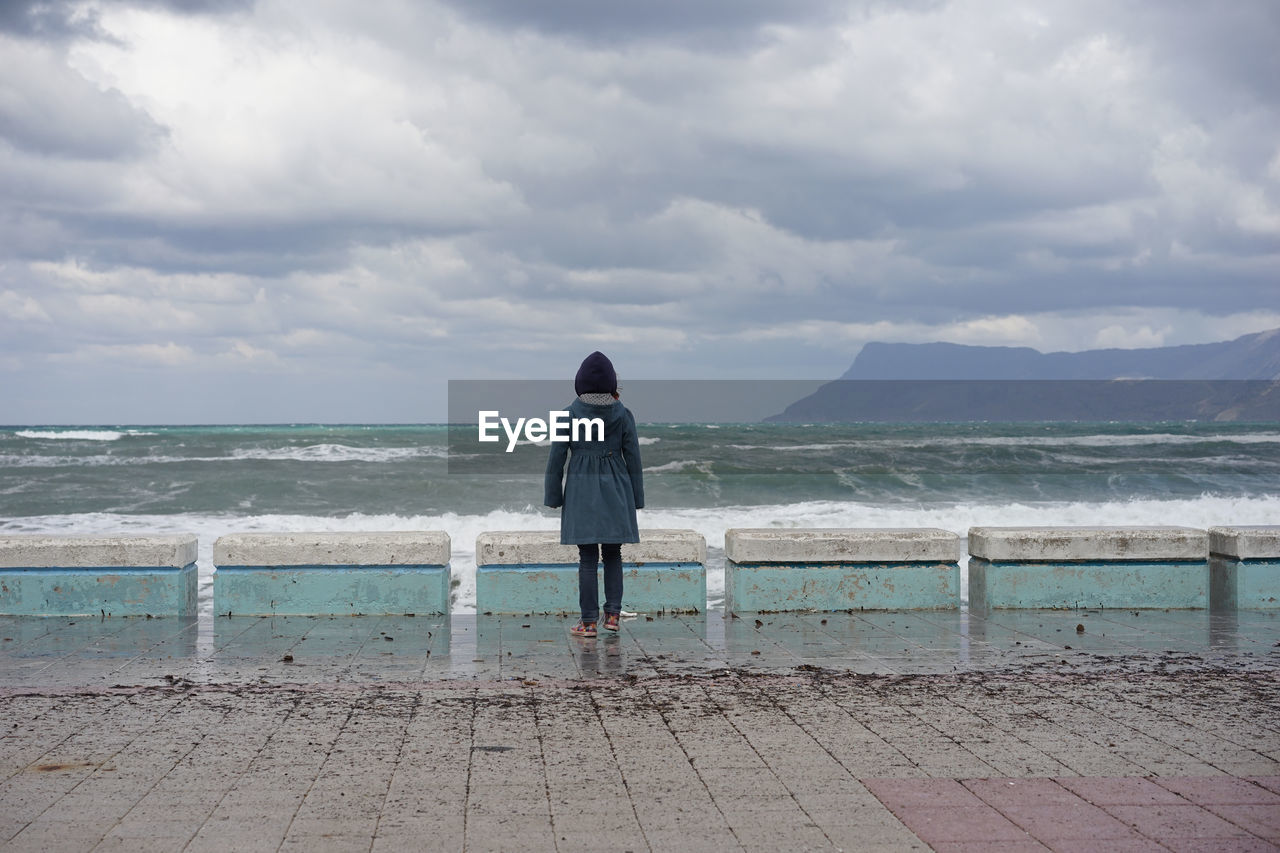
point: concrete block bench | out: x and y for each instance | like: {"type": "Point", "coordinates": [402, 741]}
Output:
{"type": "Point", "coordinates": [531, 572]}
{"type": "Point", "coordinates": [315, 574]}
{"type": "Point", "coordinates": [98, 575]}
{"type": "Point", "coordinates": [1244, 567]}
{"type": "Point", "coordinates": [841, 569]}
{"type": "Point", "coordinates": [1128, 567]}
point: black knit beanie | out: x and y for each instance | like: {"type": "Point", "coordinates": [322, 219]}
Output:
{"type": "Point", "coordinates": [596, 376]}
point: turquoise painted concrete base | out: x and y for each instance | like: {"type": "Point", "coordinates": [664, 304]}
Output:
{"type": "Point", "coordinates": [1244, 584]}
{"type": "Point", "coordinates": [755, 588]}
{"type": "Point", "coordinates": [133, 591]}
{"type": "Point", "coordinates": [648, 588]}
{"type": "Point", "coordinates": [330, 590]}
{"type": "Point", "coordinates": [1172, 584]}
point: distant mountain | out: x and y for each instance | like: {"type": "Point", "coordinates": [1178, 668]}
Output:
{"type": "Point", "coordinates": [1249, 357]}
{"type": "Point", "coordinates": [1235, 380]}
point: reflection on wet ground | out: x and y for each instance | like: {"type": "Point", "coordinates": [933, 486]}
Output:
{"type": "Point", "coordinates": [54, 653]}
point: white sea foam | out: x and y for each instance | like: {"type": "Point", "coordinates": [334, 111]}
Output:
{"type": "Point", "coordinates": [645, 440]}
{"type": "Point", "coordinates": [312, 453]}
{"type": "Point", "coordinates": [78, 434]}
{"type": "Point", "coordinates": [711, 523]}
{"type": "Point", "coordinates": [677, 465]}
{"type": "Point", "coordinates": [15, 460]}
{"type": "Point", "coordinates": [1131, 440]}
{"type": "Point", "coordinates": [791, 448]}
{"type": "Point", "coordinates": [1202, 512]}
{"type": "Point", "coordinates": [334, 453]}
{"type": "Point", "coordinates": [1157, 439]}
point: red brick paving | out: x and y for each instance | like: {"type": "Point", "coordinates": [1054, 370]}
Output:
{"type": "Point", "coordinates": [980, 822]}
{"type": "Point", "coordinates": [1218, 845]}
{"type": "Point", "coordinates": [1024, 846]}
{"type": "Point", "coordinates": [1076, 822]}
{"type": "Point", "coordinates": [1177, 822]}
{"type": "Point", "coordinates": [1216, 813]}
{"type": "Point", "coordinates": [1128, 791]}
{"type": "Point", "coordinates": [1261, 820]}
{"type": "Point", "coordinates": [1212, 789]}
{"type": "Point", "coordinates": [1020, 791]}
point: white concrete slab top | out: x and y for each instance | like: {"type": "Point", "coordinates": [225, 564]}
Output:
{"type": "Point", "coordinates": [1044, 544]}
{"type": "Point", "coordinates": [381, 548]}
{"type": "Point", "coordinates": [1246, 542]}
{"type": "Point", "coordinates": [37, 551]}
{"type": "Point", "coordinates": [842, 545]}
{"type": "Point", "coordinates": [542, 547]}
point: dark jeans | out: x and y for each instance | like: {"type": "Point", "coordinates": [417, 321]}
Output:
{"type": "Point", "coordinates": [589, 587]}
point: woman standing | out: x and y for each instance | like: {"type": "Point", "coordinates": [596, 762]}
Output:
{"type": "Point", "coordinates": [599, 496]}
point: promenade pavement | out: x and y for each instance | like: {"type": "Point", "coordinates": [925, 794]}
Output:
{"type": "Point", "coordinates": [1026, 730]}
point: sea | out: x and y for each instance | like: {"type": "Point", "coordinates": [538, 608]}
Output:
{"type": "Point", "coordinates": [214, 480]}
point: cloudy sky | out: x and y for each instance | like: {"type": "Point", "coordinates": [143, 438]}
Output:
{"type": "Point", "coordinates": [240, 211]}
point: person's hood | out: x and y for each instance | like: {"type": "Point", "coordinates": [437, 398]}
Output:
{"type": "Point", "coordinates": [596, 375]}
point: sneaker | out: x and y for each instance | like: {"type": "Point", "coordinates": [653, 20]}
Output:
{"type": "Point", "coordinates": [583, 629]}
{"type": "Point", "coordinates": [611, 621]}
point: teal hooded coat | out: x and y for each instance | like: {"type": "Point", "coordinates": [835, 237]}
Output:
{"type": "Point", "coordinates": [604, 486]}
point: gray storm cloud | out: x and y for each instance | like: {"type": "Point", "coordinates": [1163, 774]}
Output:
{"type": "Point", "coordinates": [370, 197]}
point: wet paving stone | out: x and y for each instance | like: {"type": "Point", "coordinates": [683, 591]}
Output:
{"type": "Point", "coordinates": [845, 731]}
